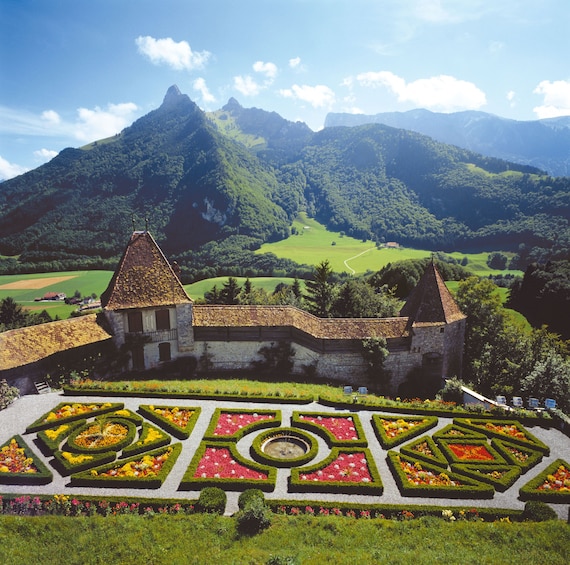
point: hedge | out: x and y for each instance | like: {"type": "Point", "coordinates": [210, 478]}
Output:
{"type": "Point", "coordinates": [93, 477]}
{"type": "Point", "coordinates": [260, 424]}
{"type": "Point", "coordinates": [485, 426]}
{"type": "Point", "coordinates": [488, 474]}
{"type": "Point", "coordinates": [50, 419]}
{"type": "Point", "coordinates": [72, 446]}
{"type": "Point", "coordinates": [437, 457]}
{"type": "Point", "coordinates": [557, 472]}
{"type": "Point", "coordinates": [77, 462]}
{"type": "Point", "coordinates": [332, 441]}
{"type": "Point", "coordinates": [375, 486]}
{"type": "Point", "coordinates": [453, 431]}
{"type": "Point", "coordinates": [261, 457]}
{"type": "Point", "coordinates": [469, 488]}
{"type": "Point", "coordinates": [531, 456]}
{"type": "Point", "coordinates": [148, 411]}
{"type": "Point", "coordinates": [142, 444]}
{"type": "Point", "coordinates": [49, 440]}
{"type": "Point", "coordinates": [453, 458]}
{"type": "Point", "coordinates": [426, 423]}
{"type": "Point", "coordinates": [42, 476]}
{"type": "Point", "coordinates": [192, 482]}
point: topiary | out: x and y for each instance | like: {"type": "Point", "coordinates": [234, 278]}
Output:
{"type": "Point", "coordinates": [212, 500]}
{"type": "Point", "coordinates": [538, 511]}
{"type": "Point", "coordinates": [249, 495]}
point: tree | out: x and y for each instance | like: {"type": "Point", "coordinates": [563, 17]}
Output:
{"type": "Point", "coordinates": [320, 290]}
{"type": "Point", "coordinates": [375, 352]}
{"type": "Point", "coordinates": [230, 291]}
{"type": "Point", "coordinates": [12, 315]}
{"type": "Point", "coordinates": [213, 295]}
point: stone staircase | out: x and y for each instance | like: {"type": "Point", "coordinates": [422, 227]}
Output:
{"type": "Point", "coordinates": [42, 387]}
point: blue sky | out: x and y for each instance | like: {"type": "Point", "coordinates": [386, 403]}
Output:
{"type": "Point", "coordinates": [73, 71]}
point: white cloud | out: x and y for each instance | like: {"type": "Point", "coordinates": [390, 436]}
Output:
{"type": "Point", "coordinates": [295, 62]}
{"type": "Point", "coordinates": [556, 99]}
{"type": "Point", "coordinates": [246, 85]}
{"type": "Point", "coordinates": [45, 154]}
{"type": "Point", "coordinates": [443, 92]}
{"type": "Point", "coordinates": [51, 117]}
{"type": "Point", "coordinates": [176, 55]}
{"type": "Point", "coordinates": [98, 123]}
{"type": "Point", "coordinates": [268, 69]}
{"type": "Point", "coordinates": [10, 170]}
{"type": "Point", "coordinates": [319, 96]}
{"type": "Point", "coordinates": [200, 85]}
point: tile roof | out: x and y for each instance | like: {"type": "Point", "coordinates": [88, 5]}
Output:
{"type": "Point", "coordinates": [28, 345]}
{"type": "Point", "coordinates": [144, 278]}
{"type": "Point", "coordinates": [430, 301]}
{"type": "Point", "coordinates": [274, 316]}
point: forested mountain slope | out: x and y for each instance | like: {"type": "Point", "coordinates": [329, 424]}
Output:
{"type": "Point", "coordinates": [214, 187]}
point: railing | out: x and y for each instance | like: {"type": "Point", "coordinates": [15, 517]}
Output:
{"type": "Point", "coordinates": [158, 335]}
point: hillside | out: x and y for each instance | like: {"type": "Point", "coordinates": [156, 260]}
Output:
{"type": "Point", "coordinates": [544, 144]}
{"type": "Point", "coordinates": [214, 187]}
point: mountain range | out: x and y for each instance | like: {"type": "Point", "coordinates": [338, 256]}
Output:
{"type": "Point", "coordinates": [544, 144]}
{"type": "Point", "coordinates": [213, 186]}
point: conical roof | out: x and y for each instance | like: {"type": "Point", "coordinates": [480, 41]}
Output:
{"type": "Point", "coordinates": [144, 278]}
{"type": "Point", "coordinates": [431, 301]}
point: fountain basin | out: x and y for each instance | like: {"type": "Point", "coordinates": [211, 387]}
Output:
{"type": "Point", "coordinates": [284, 447]}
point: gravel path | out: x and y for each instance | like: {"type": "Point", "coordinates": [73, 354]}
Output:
{"type": "Point", "coordinates": [27, 409]}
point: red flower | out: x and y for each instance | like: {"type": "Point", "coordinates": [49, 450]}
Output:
{"type": "Point", "coordinates": [346, 468]}
{"type": "Point", "coordinates": [231, 422]}
{"type": "Point", "coordinates": [218, 463]}
{"type": "Point", "coordinates": [342, 428]}
{"type": "Point", "coordinates": [470, 452]}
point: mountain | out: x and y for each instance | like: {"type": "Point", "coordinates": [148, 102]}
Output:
{"type": "Point", "coordinates": [213, 187]}
{"type": "Point", "coordinates": [544, 144]}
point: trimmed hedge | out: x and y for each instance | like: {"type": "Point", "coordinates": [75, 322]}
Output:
{"type": "Point", "coordinates": [49, 419]}
{"type": "Point", "coordinates": [426, 423]}
{"type": "Point", "coordinates": [261, 424]}
{"type": "Point", "coordinates": [212, 500]}
{"type": "Point", "coordinates": [127, 414]}
{"type": "Point", "coordinates": [480, 425]}
{"type": "Point", "coordinates": [453, 431]}
{"type": "Point", "coordinates": [484, 474]}
{"type": "Point", "coordinates": [192, 482]}
{"type": "Point", "coordinates": [43, 476]}
{"type": "Point", "coordinates": [453, 458]}
{"type": "Point", "coordinates": [147, 410]}
{"type": "Point", "coordinates": [49, 440]}
{"type": "Point", "coordinates": [70, 445]}
{"type": "Point", "coordinates": [375, 486]}
{"type": "Point", "coordinates": [437, 458]}
{"type": "Point", "coordinates": [532, 490]}
{"type": "Point", "coordinates": [261, 457]}
{"type": "Point", "coordinates": [142, 445]}
{"type": "Point", "coordinates": [469, 488]}
{"type": "Point", "coordinates": [531, 456]}
{"type": "Point", "coordinates": [298, 422]}
{"type": "Point", "coordinates": [93, 478]}
{"type": "Point", "coordinates": [77, 462]}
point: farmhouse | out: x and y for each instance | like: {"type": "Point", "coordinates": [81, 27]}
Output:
{"type": "Point", "coordinates": [147, 311]}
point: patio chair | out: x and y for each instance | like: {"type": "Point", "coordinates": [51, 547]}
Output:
{"type": "Point", "coordinates": [517, 402]}
{"type": "Point", "coordinates": [533, 403]}
{"type": "Point", "coordinates": [501, 400]}
{"type": "Point", "coordinates": [550, 403]}
{"type": "Point", "coordinates": [362, 391]}
{"type": "Point", "coordinates": [347, 390]}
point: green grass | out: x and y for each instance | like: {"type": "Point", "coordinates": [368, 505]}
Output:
{"type": "Point", "coordinates": [200, 539]}
{"type": "Point", "coordinates": [314, 243]}
{"type": "Point", "coordinates": [196, 290]}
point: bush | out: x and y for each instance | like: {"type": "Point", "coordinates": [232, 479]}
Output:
{"type": "Point", "coordinates": [538, 511]}
{"type": "Point", "coordinates": [248, 496]}
{"type": "Point", "coordinates": [212, 500]}
{"type": "Point", "coordinates": [254, 518]}
{"type": "Point", "coordinates": [7, 394]}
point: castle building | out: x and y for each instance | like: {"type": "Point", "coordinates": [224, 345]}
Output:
{"type": "Point", "coordinates": [147, 312]}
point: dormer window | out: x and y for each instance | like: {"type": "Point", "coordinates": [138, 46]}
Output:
{"type": "Point", "coordinates": [162, 319]}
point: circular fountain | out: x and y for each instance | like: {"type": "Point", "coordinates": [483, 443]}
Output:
{"type": "Point", "coordinates": [284, 447]}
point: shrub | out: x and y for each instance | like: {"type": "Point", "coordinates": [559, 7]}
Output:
{"type": "Point", "coordinates": [248, 496]}
{"type": "Point", "coordinates": [254, 518]}
{"type": "Point", "coordinates": [538, 511]}
{"type": "Point", "coordinates": [212, 500]}
{"type": "Point", "coordinates": [7, 394]}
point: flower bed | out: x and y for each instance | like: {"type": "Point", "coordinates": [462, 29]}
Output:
{"type": "Point", "coordinates": [425, 449]}
{"type": "Point", "coordinates": [348, 470]}
{"type": "Point", "coordinates": [259, 455]}
{"type": "Point", "coordinates": [101, 436]}
{"type": "Point", "coordinates": [149, 438]}
{"type": "Point", "coordinates": [67, 463]}
{"type": "Point", "coordinates": [416, 478]}
{"type": "Point", "coordinates": [219, 464]}
{"type": "Point", "coordinates": [335, 429]}
{"type": "Point", "coordinates": [148, 471]}
{"type": "Point", "coordinates": [470, 451]}
{"type": "Point", "coordinates": [453, 431]}
{"type": "Point", "coordinates": [127, 414]}
{"type": "Point", "coordinates": [552, 485]}
{"type": "Point", "coordinates": [511, 430]}
{"type": "Point", "coordinates": [176, 420]}
{"type": "Point", "coordinates": [19, 465]}
{"type": "Point", "coordinates": [65, 412]}
{"type": "Point", "coordinates": [515, 454]}
{"type": "Point", "coordinates": [50, 439]}
{"type": "Point", "coordinates": [500, 476]}
{"type": "Point", "coordinates": [232, 424]}
{"type": "Point", "coordinates": [394, 430]}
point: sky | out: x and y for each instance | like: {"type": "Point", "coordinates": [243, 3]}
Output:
{"type": "Point", "coordinates": [74, 71]}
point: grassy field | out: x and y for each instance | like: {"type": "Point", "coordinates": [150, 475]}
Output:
{"type": "Point", "coordinates": [197, 289]}
{"type": "Point", "coordinates": [314, 243]}
{"type": "Point", "coordinates": [299, 540]}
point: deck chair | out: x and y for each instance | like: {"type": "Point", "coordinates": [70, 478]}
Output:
{"type": "Point", "coordinates": [517, 402]}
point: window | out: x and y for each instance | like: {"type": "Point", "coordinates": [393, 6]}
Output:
{"type": "Point", "coordinates": [164, 352]}
{"type": "Point", "coordinates": [162, 319]}
{"type": "Point", "coordinates": [138, 358]}
{"type": "Point", "coordinates": [135, 322]}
